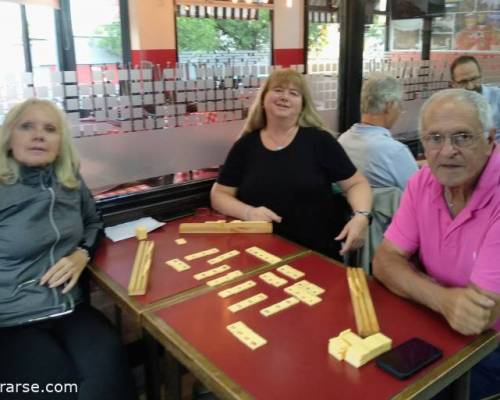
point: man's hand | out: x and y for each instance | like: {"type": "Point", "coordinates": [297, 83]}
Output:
{"type": "Point", "coordinates": [467, 310]}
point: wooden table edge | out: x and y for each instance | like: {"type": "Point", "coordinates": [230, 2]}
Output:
{"type": "Point", "coordinates": [117, 293]}
{"type": "Point", "coordinates": [211, 376]}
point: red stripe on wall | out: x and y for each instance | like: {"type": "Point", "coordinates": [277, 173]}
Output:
{"type": "Point", "coordinates": [287, 57]}
{"type": "Point", "coordinates": [162, 57]}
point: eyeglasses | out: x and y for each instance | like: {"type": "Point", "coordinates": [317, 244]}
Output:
{"type": "Point", "coordinates": [465, 82]}
{"type": "Point", "coordinates": [459, 140]}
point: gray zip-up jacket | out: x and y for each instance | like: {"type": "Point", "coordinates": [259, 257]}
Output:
{"type": "Point", "coordinates": [40, 222]}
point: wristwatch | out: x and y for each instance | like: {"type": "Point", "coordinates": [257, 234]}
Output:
{"type": "Point", "coordinates": [367, 214]}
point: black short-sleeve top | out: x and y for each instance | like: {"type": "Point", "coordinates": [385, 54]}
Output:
{"type": "Point", "coordinates": [294, 182]}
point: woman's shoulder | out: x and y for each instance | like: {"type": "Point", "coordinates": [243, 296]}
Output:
{"type": "Point", "coordinates": [247, 139]}
{"type": "Point", "coordinates": [316, 131]}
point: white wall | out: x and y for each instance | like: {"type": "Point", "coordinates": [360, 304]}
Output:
{"type": "Point", "coordinates": [152, 24]}
{"type": "Point", "coordinates": [288, 25]}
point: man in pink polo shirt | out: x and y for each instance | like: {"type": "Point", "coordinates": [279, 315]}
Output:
{"type": "Point", "coordinates": [449, 222]}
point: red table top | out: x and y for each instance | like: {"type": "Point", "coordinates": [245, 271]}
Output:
{"type": "Point", "coordinates": [116, 259]}
{"type": "Point", "coordinates": [295, 364]}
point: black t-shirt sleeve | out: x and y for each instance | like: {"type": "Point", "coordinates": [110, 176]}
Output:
{"type": "Point", "coordinates": [334, 159]}
{"type": "Point", "coordinates": [232, 172]}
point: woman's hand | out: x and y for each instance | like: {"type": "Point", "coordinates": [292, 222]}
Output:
{"type": "Point", "coordinates": [261, 214]}
{"type": "Point", "coordinates": [67, 270]}
{"type": "Point", "coordinates": [354, 233]}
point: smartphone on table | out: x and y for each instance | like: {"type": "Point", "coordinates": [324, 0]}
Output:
{"type": "Point", "coordinates": [408, 358]}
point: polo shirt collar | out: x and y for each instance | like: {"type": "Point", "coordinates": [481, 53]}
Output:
{"type": "Point", "coordinates": [490, 178]}
{"type": "Point", "coordinates": [366, 129]}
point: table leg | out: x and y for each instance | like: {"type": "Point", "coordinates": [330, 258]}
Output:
{"type": "Point", "coordinates": [152, 367]}
{"type": "Point", "coordinates": [459, 389]}
{"type": "Point", "coordinates": [118, 320]}
{"type": "Point", "coordinates": [173, 375]}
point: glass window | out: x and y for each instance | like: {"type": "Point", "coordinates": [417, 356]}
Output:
{"type": "Point", "coordinates": [11, 45]}
{"type": "Point", "coordinates": [406, 34]}
{"type": "Point", "coordinates": [243, 38]}
{"type": "Point", "coordinates": [375, 37]}
{"type": "Point", "coordinates": [97, 31]}
{"type": "Point", "coordinates": [43, 46]}
{"type": "Point", "coordinates": [380, 5]}
{"type": "Point", "coordinates": [323, 44]}
{"type": "Point", "coordinates": [323, 36]}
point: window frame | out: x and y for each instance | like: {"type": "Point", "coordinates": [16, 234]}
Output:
{"type": "Point", "coordinates": [66, 57]}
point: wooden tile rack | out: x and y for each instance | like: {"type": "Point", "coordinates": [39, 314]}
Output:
{"type": "Point", "coordinates": [227, 227]}
{"type": "Point", "coordinates": [140, 271]}
{"type": "Point", "coordinates": [364, 311]}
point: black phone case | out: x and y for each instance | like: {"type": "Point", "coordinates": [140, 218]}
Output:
{"type": "Point", "coordinates": [384, 362]}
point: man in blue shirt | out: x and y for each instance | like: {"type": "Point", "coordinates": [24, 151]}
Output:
{"type": "Point", "coordinates": [466, 74]}
{"type": "Point", "coordinates": [369, 144]}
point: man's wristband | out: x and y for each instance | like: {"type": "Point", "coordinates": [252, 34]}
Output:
{"type": "Point", "coordinates": [367, 214]}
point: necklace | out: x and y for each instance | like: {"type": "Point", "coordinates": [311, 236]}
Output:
{"type": "Point", "coordinates": [449, 202]}
{"type": "Point", "coordinates": [281, 145]}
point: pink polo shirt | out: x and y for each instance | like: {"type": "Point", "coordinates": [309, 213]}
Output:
{"type": "Point", "coordinates": [455, 251]}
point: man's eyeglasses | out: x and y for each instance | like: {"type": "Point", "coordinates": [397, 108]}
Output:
{"type": "Point", "coordinates": [459, 140]}
{"type": "Point", "coordinates": [465, 82]}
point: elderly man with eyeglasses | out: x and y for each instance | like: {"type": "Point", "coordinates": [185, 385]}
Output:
{"type": "Point", "coordinates": [443, 245]}
{"type": "Point", "coordinates": [466, 74]}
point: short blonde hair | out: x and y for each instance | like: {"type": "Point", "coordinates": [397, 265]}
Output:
{"type": "Point", "coordinates": [308, 117]}
{"type": "Point", "coordinates": [66, 163]}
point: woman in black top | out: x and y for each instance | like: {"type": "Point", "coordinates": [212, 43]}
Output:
{"type": "Point", "coordinates": [282, 168]}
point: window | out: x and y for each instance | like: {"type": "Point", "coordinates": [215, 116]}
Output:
{"type": "Point", "coordinates": [11, 45]}
{"type": "Point", "coordinates": [97, 31]}
{"type": "Point", "coordinates": [323, 35]}
{"type": "Point", "coordinates": [375, 29]}
{"type": "Point", "coordinates": [229, 35]}
{"type": "Point", "coordinates": [42, 41]}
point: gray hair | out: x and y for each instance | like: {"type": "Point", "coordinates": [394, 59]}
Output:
{"type": "Point", "coordinates": [474, 99]}
{"type": "Point", "coordinates": [378, 90]}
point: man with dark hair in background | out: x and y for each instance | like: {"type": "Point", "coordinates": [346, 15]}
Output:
{"type": "Point", "coordinates": [466, 74]}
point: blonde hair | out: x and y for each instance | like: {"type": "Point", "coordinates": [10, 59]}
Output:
{"type": "Point", "coordinates": [308, 117]}
{"type": "Point", "coordinates": [66, 163]}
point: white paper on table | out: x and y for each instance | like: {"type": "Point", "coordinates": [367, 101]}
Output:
{"type": "Point", "coordinates": [127, 229]}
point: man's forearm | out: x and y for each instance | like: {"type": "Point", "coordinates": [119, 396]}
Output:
{"type": "Point", "coordinates": [400, 276]}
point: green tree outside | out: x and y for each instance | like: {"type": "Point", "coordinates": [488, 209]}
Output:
{"type": "Point", "coordinates": [109, 38]}
{"type": "Point", "coordinates": [195, 34]}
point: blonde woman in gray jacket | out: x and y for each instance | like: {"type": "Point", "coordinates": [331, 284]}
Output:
{"type": "Point", "coordinates": [49, 228]}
